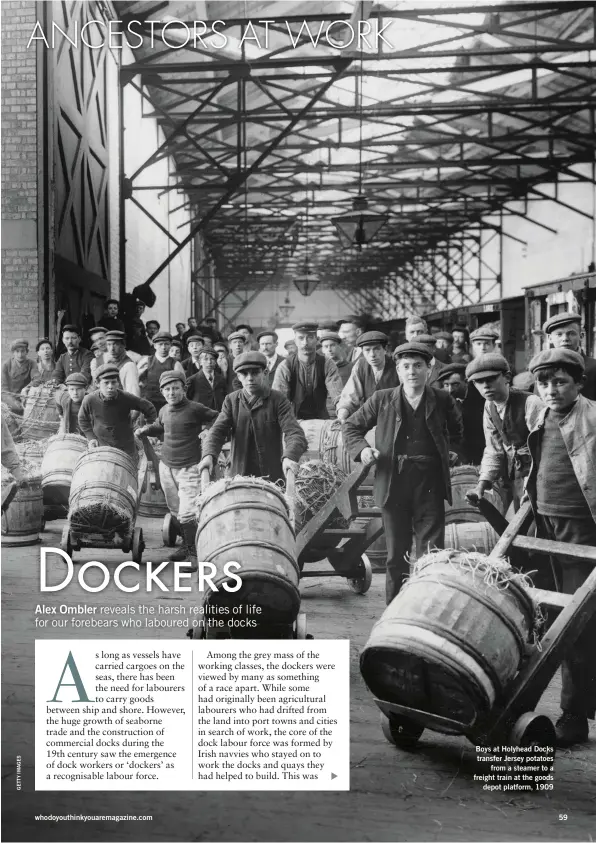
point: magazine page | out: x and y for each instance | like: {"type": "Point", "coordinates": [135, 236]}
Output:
{"type": "Point", "coordinates": [298, 409]}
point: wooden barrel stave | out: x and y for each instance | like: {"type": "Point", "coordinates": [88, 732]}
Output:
{"type": "Point", "coordinates": [315, 431]}
{"type": "Point", "coordinates": [104, 481]}
{"type": "Point", "coordinates": [57, 467]}
{"type": "Point", "coordinates": [478, 536]}
{"type": "Point", "coordinates": [23, 520]}
{"type": "Point", "coordinates": [464, 478]}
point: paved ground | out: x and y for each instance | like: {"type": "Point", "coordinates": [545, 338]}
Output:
{"type": "Point", "coordinates": [395, 796]}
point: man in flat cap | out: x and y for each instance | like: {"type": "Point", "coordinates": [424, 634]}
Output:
{"type": "Point", "coordinates": [208, 387]}
{"type": "Point", "coordinates": [17, 373]}
{"type": "Point", "coordinates": [267, 341]}
{"type": "Point", "coordinates": [435, 366]}
{"type": "Point", "coordinates": [443, 344]}
{"type": "Point", "coordinates": [69, 403]}
{"type": "Point", "coordinates": [452, 379]}
{"type": "Point", "coordinates": [248, 334]}
{"type": "Point", "coordinates": [115, 353]}
{"type": "Point", "coordinates": [105, 415]}
{"type": "Point", "coordinates": [564, 331]}
{"type": "Point", "coordinates": [332, 347]}
{"type": "Point", "coordinates": [307, 378]}
{"type": "Point", "coordinates": [416, 425]}
{"type": "Point", "coordinates": [372, 371]}
{"type": "Point", "coordinates": [460, 352]}
{"type": "Point", "coordinates": [349, 330]}
{"type": "Point", "coordinates": [506, 411]}
{"type": "Point", "coordinates": [563, 497]}
{"type": "Point", "coordinates": [152, 368]}
{"type": "Point", "coordinates": [179, 423]}
{"type": "Point", "coordinates": [75, 358]}
{"type": "Point", "coordinates": [266, 438]}
{"type": "Point", "coordinates": [483, 341]}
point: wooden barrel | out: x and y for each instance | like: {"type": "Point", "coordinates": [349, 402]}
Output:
{"type": "Point", "coordinates": [23, 520]}
{"type": "Point", "coordinates": [103, 492]}
{"type": "Point", "coordinates": [247, 521]}
{"type": "Point", "coordinates": [315, 431]}
{"type": "Point", "coordinates": [335, 451]}
{"type": "Point", "coordinates": [152, 503]}
{"type": "Point", "coordinates": [478, 536]}
{"type": "Point", "coordinates": [464, 478]}
{"type": "Point", "coordinates": [57, 466]}
{"type": "Point", "coordinates": [449, 643]}
{"type": "Point", "coordinates": [40, 412]}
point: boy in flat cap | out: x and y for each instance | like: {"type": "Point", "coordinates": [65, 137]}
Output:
{"type": "Point", "coordinates": [483, 341]}
{"type": "Point", "coordinates": [267, 341]}
{"type": "Point", "coordinates": [373, 370]}
{"type": "Point", "coordinates": [75, 358]}
{"type": "Point", "coordinates": [247, 332]}
{"type": "Point", "coordinates": [152, 368]}
{"type": "Point", "coordinates": [115, 353]}
{"type": "Point", "coordinates": [506, 456]}
{"type": "Point", "coordinates": [452, 379]}
{"type": "Point", "coordinates": [416, 427]}
{"type": "Point", "coordinates": [17, 373]}
{"type": "Point", "coordinates": [331, 347]}
{"type": "Point", "coordinates": [564, 331]}
{"type": "Point", "coordinates": [307, 378]}
{"type": "Point", "coordinates": [208, 386]}
{"type": "Point", "coordinates": [180, 422]}
{"type": "Point", "coordinates": [69, 403]}
{"type": "Point", "coordinates": [257, 418]}
{"type": "Point", "coordinates": [105, 415]}
{"type": "Point", "coordinates": [563, 497]}
{"type": "Point", "coordinates": [192, 365]}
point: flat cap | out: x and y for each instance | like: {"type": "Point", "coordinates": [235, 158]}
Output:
{"type": "Point", "coordinates": [236, 335]}
{"type": "Point", "coordinates": [267, 334]}
{"type": "Point", "coordinates": [306, 327]}
{"type": "Point", "coordinates": [412, 348]}
{"type": "Point", "coordinates": [555, 357]}
{"type": "Point", "coordinates": [98, 329]}
{"type": "Point", "coordinates": [328, 326]}
{"type": "Point", "coordinates": [249, 360]}
{"type": "Point", "coordinates": [482, 334]}
{"type": "Point", "coordinates": [20, 343]}
{"type": "Point", "coordinates": [210, 352]}
{"type": "Point", "coordinates": [72, 328]}
{"type": "Point", "coordinates": [426, 338]}
{"type": "Point", "coordinates": [372, 338]}
{"type": "Point", "coordinates": [116, 336]}
{"type": "Point", "coordinates": [108, 370]}
{"type": "Point", "coordinates": [452, 369]}
{"type": "Point", "coordinates": [161, 336]}
{"type": "Point", "coordinates": [76, 379]}
{"type": "Point", "coordinates": [486, 366]}
{"type": "Point", "coordinates": [329, 335]}
{"type": "Point", "coordinates": [195, 338]}
{"type": "Point", "coordinates": [352, 319]}
{"type": "Point", "coordinates": [443, 335]}
{"type": "Point", "coordinates": [177, 343]}
{"type": "Point", "coordinates": [170, 377]}
{"type": "Point", "coordinates": [561, 319]}
{"type": "Point", "coordinates": [97, 346]}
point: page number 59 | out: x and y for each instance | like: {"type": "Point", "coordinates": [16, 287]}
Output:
{"type": "Point", "coordinates": [562, 817]}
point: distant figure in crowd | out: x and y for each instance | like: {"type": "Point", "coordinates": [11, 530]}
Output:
{"type": "Point", "coordinates": [192, 365]}
{"type": "Point", "coordinates": [483, 341]}
{"type": "Point", "coordinates": [237, 345]}
{"type": "Point", "coordinates": [460, 352]}
{"type": "Point", "coordinates": [326, 327]}
{"type": "Point", "coordinates": [210, 329]}
{"type": "Point", "coordinates": [415, 327]}
{"type": "Point", "coordinates": [105, 415]}
{"type": "Point", "coordinates": [97, 335]}
{"type": "Point", "coordinates": [193, 328]}
{"type": "Point", "coordinates": [506, 456]}
{"type": "Point", "coordinates": [152, 328]}
{"type": "Point", "coordinates": [116, 354]}
{"type": "Point", "coordinates": [290, 346]}
{"type": "Point", "coordinates": [151, 369]}
{"type": "Point", "coordinates": [435, 366]}
{"type": "Point", "coordinates": [443, 345]}
{"type": "Point", "coordinates": [453, 380]}
{"type": "Point", "coordinates": [416, 427]}
{"type": "Point", "coordinates": [17, 373]}
{"type": "Point", "coordinates": [69, 403]}
{"type": "Point", "coordinates": [223, 358]}
{"type": "Point", "coordinates": [332, 347]}
{"type": "Point", "coordinates": [180, 328]}
{"type": "Point", "coordinates": [75, 358]}
{"type": "Point", "coordinates": [349, 330]}
{"type": "Point", "coordinates": [561, 490]}
{"type": "Point", "coordinates": [209, 386]}
{"type": "Point", "coordinates": [176, 350]}
{"type": "Point", "coordinates": [372, 371]}
{"type": "Point", "coordinates": [179, 422]}
{"type": "Point", "coordinates": [46, 364]}
{"type": "Point", "coordinates": [307, 378]}
{"type": "Point", "coordinates": [110, 320]}
{"type": "Point", "coordinates": [267, 341]}
{"type": "Point", "coordinates": [136, 336]}
{"type": "Point", "coordinates": [564, 331]}
{"type": "Point", "coordinates": [248, 334]}
{"type": "Point", "coordinates": [256, 417]}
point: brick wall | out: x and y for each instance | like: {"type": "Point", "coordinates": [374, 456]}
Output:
{"type": "Point", "coordinates": [20, 271]}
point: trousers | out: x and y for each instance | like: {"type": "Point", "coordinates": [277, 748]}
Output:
{"type": "Point", "coordinates": [578, 669]}
{"type": "Point", "coordinates": [180, 487]}
{"type": "Point", "coordinates": [415, 509]}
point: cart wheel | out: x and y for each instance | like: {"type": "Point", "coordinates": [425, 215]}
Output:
{"type": "Point", "coordinates": [361, 583]}
{"type": "Point", "coordinates": [300, 627]}
{"type": "Point", "coordinates": [169, 532]}
{"type": "Point", "coordinates": [533, 729]}
{"type": "Point", "coordinates": [400, 731]}
{"type": "Point", "coordinates": [126, 544]}
{"type": "Point", "coordinates": [138, 545]}
{"type": "Point", "coordinates": [65, 543]}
